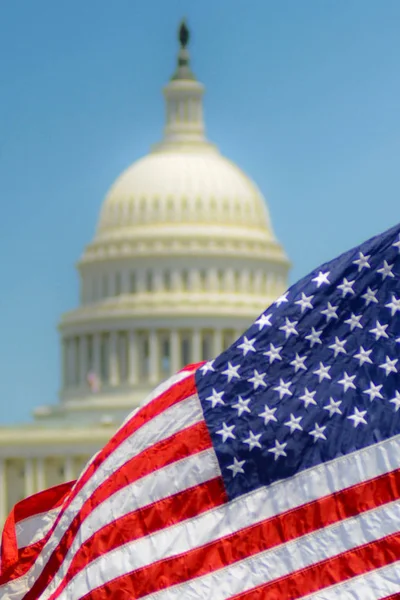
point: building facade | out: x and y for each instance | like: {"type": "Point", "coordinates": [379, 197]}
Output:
{"type": "Point", "coordinates": [183, 259]}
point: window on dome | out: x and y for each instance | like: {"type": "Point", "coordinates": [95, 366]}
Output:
{"type": "Point", "coordinates": [149, 281]}
{"type": "Point", "coordinates": [220, 280]}
{"type": "Point", "coordinates": [186, 348]}
{"type": "Point", "coordinates": [144, 355]}
{"type": "Point", "coordinates": [117, 284]}
{"type": "Point", "coordinates": [105, 286]}
{"type": "Point", "coordinates": [122, 350]}
{"type": "Point", "coordinates": [203, 280]}
{"type": "Point", "coordinates": [104, 357]}
{"type": "Point", "coordinates": [132, 283]}
{"type": "Point", "coordinates": [237, 282]}
{"type": "Point", "coordinates": [185, 281]}
{"type": "Point", "coordinates": [167, 280]}
{"type": "Point", "coordinates": [228, 337]}
{"type": "Point", "coordinates": [207, 345]}
{"type": "Point", "coordinates": [165, 355]}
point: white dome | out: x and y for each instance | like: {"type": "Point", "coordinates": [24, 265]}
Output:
{"type": "Point", "coordinates": [171, 187]}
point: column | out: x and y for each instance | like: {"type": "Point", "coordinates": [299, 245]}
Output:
{"type": "Point", "coordinates": [196, 346]}
{"type": "Point", "coordinates": [175, 351]}
{"type": "Point", "coordinates": [132, 365]}
{"type": "Point", "coordinates": [69, 469]}
{"type": "Point", "coordinates": [153, 352]}
{"type": "Point", "coordinates": [217, 342]}
{"type": "Point", "coordinates": [83, 359]}
{"type": "Point", "coordinates": [114, 376]}
{"type": "Point", "coordinates": [40, 474]}
{"type": "Point", "coordinates": [3, 492]}
{"type": "Point", "coordinates": [29, 483]}
{"type": "Point", "coordinates": [96, 355]}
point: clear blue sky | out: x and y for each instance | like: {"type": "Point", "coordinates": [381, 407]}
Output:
{"type": "Point", "coordinates": [303, 95]}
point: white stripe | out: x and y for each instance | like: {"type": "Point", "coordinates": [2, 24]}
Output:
{"type": "Point", "coordinates": [265, 503]}
{"type": "Point", "coordinates": [277, 562]}
{"type": "Point", "coordinates": [165, 482]}
{"type": "Point", "coordinates": [375, 585]}
{"type": "Point", "coordinates": [179, 416]}
{"type": "Point", "coordinates": [31, 530]}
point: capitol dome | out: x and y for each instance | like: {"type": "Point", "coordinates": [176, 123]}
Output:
{"type": "Point", "coordinates": [183, 259]}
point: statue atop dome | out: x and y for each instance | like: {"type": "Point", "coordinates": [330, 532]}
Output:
{"type": "Point", "coordinates": [184, 34]}
{"type": "Point", "coordinates": [183, 70]}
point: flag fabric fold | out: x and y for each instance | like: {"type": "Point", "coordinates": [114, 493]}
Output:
{"type": "Point", "coordinates": [272, 471]}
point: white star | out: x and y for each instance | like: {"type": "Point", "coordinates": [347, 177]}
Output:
{"type": "Point", "coordinates": [370, 296]}
{"type": "Point", "coordinates": [358, 417]}
{"type": "Point", "coordinates": [330, 312]}
{"type": "Point", "coordinates": [215, 398]}
{"type": "Point", "coordinates": [338, 346]}
{"type": "Point", "coordinates": [314, 336]}
{"type": "Point", "coordinates": [374, 391]}
{"type": "Point", "coordinates": [247, 345]}
{"type": "Point", "coordinates": [294, 423]}
{"type": "Point", "coordinates": [298, 363]}
{"type": "Point", "coordinates": [242, 406]}
{"type": "Point", "coordinates": [278, 450]}
{"type": "Point", "coordinates": [333, 407]}
{"type": "Point", "coordinates": [237, 466]}
{"type": "Point", "coordinates": [274, 353]}
{"type": "Point", "coordinates": [346, 287]}
{"type": "Point", "coordinates": [363, 356]}
{"type": "Point", "coordinates": [362, 261]}
{"type": "Point", "coordinates": [396, 401]}
{"type": "Point", "coordinates": [231, 372]}
{"type": "Point", "coordinates": [289, 327]}
{"type": "Point", "coordinates": [304, 302]}
{"type": "Point", "coordinates": [389, 365]}
{"type": "Point", "coordinates": [322, 372]}
{"type": "Point", "coordinates": [394, 305]}
{"type": "Point", "coordinates": [347, 381]}
{"type": "Point", "coordinates": [379, 331]}
{"type": "Point", "coordinates": [268, 414]}
{"type": "Point", "coordinates": [253, 440]}
{"type": "Point", "coordinates": [226, 432]}
{"type": "Point", "coordinates": [283, 388]}
{"type": "Point", "coordinates": [318, 432]}
{"type": "Point", "coordinates": [397, 244]}
{"type": "Point", "coordinates": [207, 367]}
{"type": "Point", "coordinates": [386, 270]}
{"type": "Point", "coordinates": [282, 299]}
{"type": "Point", "coordinates": [308, 398]}
{"type": "Point", "coordinates": [354, 321]}
{"type": "Point", "coordinates": [263, 321]}
{"type": "Point", "coordinates": [258, 380]}
{"type": "Point", "coordinates": [321, 278]}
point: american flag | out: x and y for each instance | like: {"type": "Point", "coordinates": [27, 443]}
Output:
{"type": "Point", "coordinates": [272, 471]}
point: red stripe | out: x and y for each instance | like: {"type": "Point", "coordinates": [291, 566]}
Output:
{"type": "Point", "coordinates": [11, 557]}
{"type": "Point", "coordinates": [257, 538]}
{"type": "Point", "coordinates": [333, 571]}
{"type": "Point", "coordinates": [173, 395]}
{"type": "Point", "coordinates": [165, 513]}
{"type": "Point", "coordinates": [181, 445]}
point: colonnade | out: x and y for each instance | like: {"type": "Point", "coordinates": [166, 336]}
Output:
{"type": "Point", "coordinates": [34, 474]}
{"type": "Point", "coordinates": [120, 357]}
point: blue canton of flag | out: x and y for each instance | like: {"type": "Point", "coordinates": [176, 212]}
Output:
{"type": "Point", "coordinates": [315, 377]}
